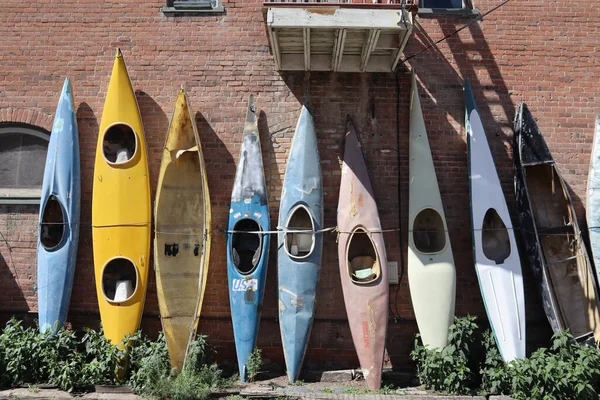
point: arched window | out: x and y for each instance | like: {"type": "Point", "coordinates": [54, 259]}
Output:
{"type": "Point", "coordinates": [23, 151]}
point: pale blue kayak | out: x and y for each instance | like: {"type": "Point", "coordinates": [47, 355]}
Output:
{"type": "Point", "coordinates": [299, 249]}
{"type": "Point", "coordinates": [59, 216]}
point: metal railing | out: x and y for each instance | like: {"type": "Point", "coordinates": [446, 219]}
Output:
{"type": "Point", "coordinates": [341, 3]}
{"type": "Point", "coordinates": [353, 2]}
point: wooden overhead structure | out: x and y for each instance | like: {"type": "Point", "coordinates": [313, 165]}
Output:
{"type": "Point", "coordinates": [333, 38]}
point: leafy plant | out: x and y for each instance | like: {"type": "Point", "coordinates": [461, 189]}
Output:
{"type": "Point", "coordinates": [33, 388]}
{"type": "Point", "coordinates": [388, 389]}
{"type": "Point", "coordinates": [449, 369]}
{"type": "Point", "coordinates": [27, 356]}
{"type": "Point", "coordinates": [70, 374]}
{"type": "Point", "coordinates": [103, 360]}
{"type": "Point", "coordinates": [33, 357]}
{"type": "Point", "coordinates": [154, 377]}
{"type": "Point", "coordinates": [254, 363]}
{"type": "Point", "coordinates": [565, 371]}
{"type": "Point", "coordinates": [150, 366]}
{"type": "Point", "coordinates": [495, 373]}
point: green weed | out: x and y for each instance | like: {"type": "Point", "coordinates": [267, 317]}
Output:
{"type": "Point", "coordinates": [566, 370]}
{"type": "Point", "coordinates": [448, 370]}
{"type": "Point", "coordinates": [73, 364]}
{"type": "Point", "coordinates": [254, 363]}
{"type": "Point", "coordinates": [33, 388]}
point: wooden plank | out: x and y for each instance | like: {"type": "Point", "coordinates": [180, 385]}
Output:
{"type": "Point", "coordinates": [295, 62]}
{"type": "Point", "coordinates": [283, 17]}
{"type": "Point", "coordinates": [306, 35]}
{"type": "Point", "coordinates": [275, 47]}
{"type": "Point", "coordinates": [403, 41]}
{"type": "Point", "coordinates": [338, 48]}
{"type": "Point", "coordinates": [369, 45]}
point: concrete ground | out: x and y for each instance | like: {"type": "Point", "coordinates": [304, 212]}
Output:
{"type": "Point", "coordinates": [330, 385]}
{"type": "Point", "coordinates": [250, 392]}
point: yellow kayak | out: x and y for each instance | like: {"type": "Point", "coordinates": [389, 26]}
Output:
{"type": "Point", "coordinates": [121, 209]}
{"type": "Point", "coordinates": [182, 232]}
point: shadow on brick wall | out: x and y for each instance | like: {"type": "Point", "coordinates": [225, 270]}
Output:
{"type": "Point", "coordinates": [13, 301]}
{"type": "Point", "coordinates": [84, 281]}
{"type": "Point", "coordinates": [156, 125]}
{"type": "Point", "coordinates": [273, 181]}
{"type": "Point", "coordinates": [473, 59]}
{"type": "Point", "coordinates": [220, 168]}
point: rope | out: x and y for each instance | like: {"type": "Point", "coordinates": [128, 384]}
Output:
{"type": "Point", "coordinates": [292, 230]}
{"type": "Point", "coordinates": [119, 225]}
{"type": "Point", "coordinates": [59, 223]}
{"type": "Point", "coordinates": [330, 229]}
{"type": "Point", "coordinates": [179, 233]}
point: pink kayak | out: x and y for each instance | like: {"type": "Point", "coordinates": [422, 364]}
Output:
{"type": "Point", "coordinates": [363, 262]}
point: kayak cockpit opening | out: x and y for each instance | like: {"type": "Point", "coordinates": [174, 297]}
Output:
{"type": "Point", "coordinates": [299, 244]}
{"type": "Point", "coordinates": [363, 263]}
{"type": "Point", "coordinates": [119, 144]}
{"type": "Point", "coordinates": [494, 237]}
{"type": "Point", "coordinates": [52, 229]}
{"type": "Point", "coordinates": [428, 233]}
{"type": "Point", "coordinates": [246, 245]}
{"type": "Point", "coordinates": [119, 280]}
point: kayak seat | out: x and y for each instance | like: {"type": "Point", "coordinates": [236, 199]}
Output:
{"type": "Point", "coordinates": [301, 244]}
{"type": "Point", "coordinates": [123, 290]}
{"type": "Point", "coordinates": [363, 268]}
{"type": "Point", "coordinates": [175, 154]}
{"type": "Point", "coordinates": [304, 241]}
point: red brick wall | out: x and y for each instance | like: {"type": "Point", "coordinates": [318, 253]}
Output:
{"type": "Point", "coordinates": [542, 52]}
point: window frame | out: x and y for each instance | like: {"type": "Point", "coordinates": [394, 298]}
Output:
{"type": "Point", "coordinates": [467, 9]}
{"type": "Point", "coordinates": [193, 7]}
{"type": "Point", "coordinates": [28, 195]}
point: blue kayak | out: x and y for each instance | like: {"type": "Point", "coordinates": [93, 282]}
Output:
{"type": "Point", "coordinates": [247, 247]}
{"type": "Point", "coordinates": [299, 250]}
{"type": "Point", "coordinates": [59, 216]}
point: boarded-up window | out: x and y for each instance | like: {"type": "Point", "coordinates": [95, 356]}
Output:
{"type": "Point", "coordinates": [22, 159]}
{"type": "Point", "coordinates": [183, 6]}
